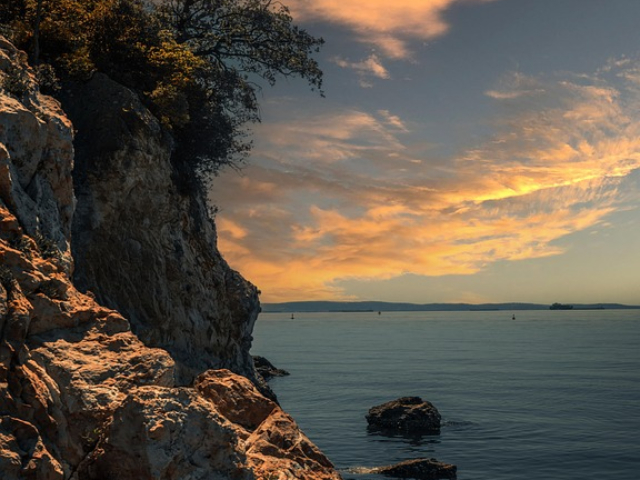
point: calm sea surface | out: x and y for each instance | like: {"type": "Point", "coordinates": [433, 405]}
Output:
{"type": "Point", "coordinates": [552, 395]}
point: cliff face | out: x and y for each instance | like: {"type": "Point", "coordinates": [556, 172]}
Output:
{"type": "Point", "coordinates": [145, 249]}
{"type": "Point", "coordinates": [36, 156]}
{"type": "Point", "coordinates": [81, 397]}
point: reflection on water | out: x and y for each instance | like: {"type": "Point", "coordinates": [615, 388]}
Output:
{"type": "Point", "coordinates": [382, 436]}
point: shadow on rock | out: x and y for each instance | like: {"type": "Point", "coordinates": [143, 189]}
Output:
{"type": "Point", "coordinates": [267, 369]}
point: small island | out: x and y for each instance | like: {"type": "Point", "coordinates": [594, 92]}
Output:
{"type": "Point", "coordinates": [560, 306]}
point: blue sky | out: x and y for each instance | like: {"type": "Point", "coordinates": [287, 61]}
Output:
{"type": "Point", "coordinates": [477, 151]}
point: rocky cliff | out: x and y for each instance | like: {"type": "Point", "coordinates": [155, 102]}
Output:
{"type": "Point", "coordinates": [81, 396]}
{"type": "Point", "coordinates": [147, 249]}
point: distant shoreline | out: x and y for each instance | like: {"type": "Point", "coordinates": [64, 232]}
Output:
{"type": "Point", "coordinates": [371, 306]}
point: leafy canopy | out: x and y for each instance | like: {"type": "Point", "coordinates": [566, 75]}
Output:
{"type": "Point", "coordinates": [196, 63]}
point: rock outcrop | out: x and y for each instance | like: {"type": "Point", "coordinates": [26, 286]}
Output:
{"type": "Point", "coordinates": [36, 155]}
{"type": "Point", "coordinates": [266, 369]}
{"type": "Point", "coordinates": [223, 428]}
{"type": "Point", "coordinates": [421, 468]}
{"type": "Point", "coordinates": [145, 248]}
{"type": "Point", "coordinates": [410, 415]}
{"type": "Point", "coordinates": [81, 397]}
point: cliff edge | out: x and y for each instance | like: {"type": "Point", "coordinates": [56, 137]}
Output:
{"type": "Point", "coordinates": [146, 249]}
{"type": "Point", "coordinates": [81, 396]}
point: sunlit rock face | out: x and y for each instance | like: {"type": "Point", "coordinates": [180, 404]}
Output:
{"type": "Point", "coordinates": [81, 397]}
{"type": "Point", "coordinates": [65, 361]}
{"type": "Point", "coordinates": [144, 248]}
{"type": "Point", "coordinates": [36, 154]}
{"type": "Point", "coordinates": [224, 428]}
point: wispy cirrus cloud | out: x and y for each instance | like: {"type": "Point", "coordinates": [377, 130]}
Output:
{"type": "Point", "coordinates": [348, 195]}
{"type": "Point", "coordinates": [371, 66]}
{"type": "Point", "coordinates": [516, 85]}
{"type": "Point", "coordinates": [388, 25]}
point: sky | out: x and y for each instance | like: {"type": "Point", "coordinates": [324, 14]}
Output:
{"type": "Point", "coordinates": [465, 151]}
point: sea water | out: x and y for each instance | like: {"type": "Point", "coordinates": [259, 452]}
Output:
{"type": "Point", "coordinates": [551, 395]}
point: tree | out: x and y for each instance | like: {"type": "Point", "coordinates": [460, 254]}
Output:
{"type": "Point", "coordinates": [36, 33]}
{"type": "Point", "coordinates": [197, 64]}
{"type": "Point", "coordinates": [241, 41]}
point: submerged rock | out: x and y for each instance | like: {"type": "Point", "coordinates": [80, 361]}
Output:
{"type": "Point", "coordinates": [405, 415]}
{"type": "Point", "coordinates": [267, 369]}
{"type": "Point", "coordinates": [421, 468]}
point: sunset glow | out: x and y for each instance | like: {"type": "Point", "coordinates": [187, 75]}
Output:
{"type": "Point", "coordinates": [389, 178]}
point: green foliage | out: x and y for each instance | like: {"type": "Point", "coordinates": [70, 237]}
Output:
{"type": "Point", "coordinates": [196, 63]}
{"type": "Point", "coordinates": [16, 81]}
{"type": "Point", "coordinates": [242, 42]}
{"type": "Point", "coordinates": [47, 78]}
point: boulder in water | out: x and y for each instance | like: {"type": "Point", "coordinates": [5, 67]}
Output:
{"type": "Point", "coordinates": [421, 468]}
{"type": "Point", "coordinates": [405, 415]}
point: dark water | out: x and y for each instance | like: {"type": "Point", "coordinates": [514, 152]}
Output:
{"type": "Point", "coordinates": [552, 395]}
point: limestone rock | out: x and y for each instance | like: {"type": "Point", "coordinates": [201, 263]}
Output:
{"type": "Point", "coordinates": [405, 415]}
{"type": "Point", "coordinates": [147, 249]}
{"type": "Point", "coordinates": [170, 434]}
{"type": "Point", "coordinates": [36, 155]}
{"type": "Point", "coordinates": [81, 397]}
{"type": "Point", "coordinates": [274, 445]}
{"type": "Point", "coordinates": [224, 429]}
{"type": "Point", "coordinates": [65, 363]}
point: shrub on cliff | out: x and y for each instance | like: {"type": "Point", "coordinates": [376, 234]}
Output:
{"type": "Point", "coordinates": [196, 63]}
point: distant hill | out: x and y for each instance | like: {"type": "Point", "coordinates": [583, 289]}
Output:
{"type": "Point", "coordinates": [427, 307]}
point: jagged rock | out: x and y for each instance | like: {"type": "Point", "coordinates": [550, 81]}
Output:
{"type": "Point", "coordinates": [81, 397]}
{"type": "Point", "coordinates": [267, 369]}
{"type": "Point", "coordinates": [169, 434]}
{"type": "Point", "coordinates": [65, 363]}
{"type": "Point", "coordinates": [223, 429]}
{"type": "Point", "coordinates": [274, 445]}
{"type": "Point", "coordinates": [36, 156]}
{"type": "Point", "coordinates": [405, 415]}
{"type": "Point", "coordinates": [422, 468]}
{"type": "Point", "coordinates": [144, 247]}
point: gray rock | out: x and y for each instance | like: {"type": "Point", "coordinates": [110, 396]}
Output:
{"type": "Point", "coordinates": [146, 248]}
{"type": "Point", "coordinates": [409, 415]}
{"type": "Point", "coordinates": [81, 397]}
{"type": "Point", "coordinates": [421, 468]}
{"type": "Point", "coordinates": [36, 157]}
{"type": "Point", "coordinates": [267, 369]}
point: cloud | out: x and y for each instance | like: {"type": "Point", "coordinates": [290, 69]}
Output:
{"type": "Point", "coordinates": [369, 67]}
{"type": "Point", "coordinates": [347, 195]}
{"type": "Point", "coordinates": [516, 85]}
{"type": "Point", "coordinates": [388, 25]}
{"type": "Point", "coordinates": [393, 120]}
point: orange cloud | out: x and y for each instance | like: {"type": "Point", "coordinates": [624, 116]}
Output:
{"type": "Point", "coordinates": [369, 67]}
{"type": "Point", "coordinates": [385, 24]}
{"type": "Point", "coordinates": [343, 195]}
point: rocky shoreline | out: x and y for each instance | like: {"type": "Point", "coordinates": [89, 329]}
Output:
{"type": "Point", "coordinates": [144, 371]}
{"type": "Point", "coordinates": [124, 335]}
